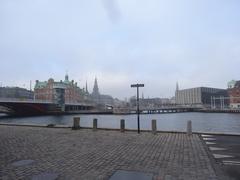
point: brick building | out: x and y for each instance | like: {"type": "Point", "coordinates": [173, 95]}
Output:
{"type": "Point", "coordinates": [234, 94]}
{"type": "Point", "coordinates": [46, 90]}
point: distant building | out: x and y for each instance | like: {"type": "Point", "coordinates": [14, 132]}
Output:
{"type": "Point", "coordinates": [15, 92]}
{"type": "Point", "coordinates": [200, 96]}
{"type": "Point", "coordinates": [234, 94]}
{"type": "Point", "coordinates": [120, 104]}
{"type": "Point", "coordinates": [51, 90]}
{"type": "Point", "coordinates": [150, 102]}
{"type": "Point", "coordinates": [172, 100]}
{"type": "Point", "coordinates": [100, 98]}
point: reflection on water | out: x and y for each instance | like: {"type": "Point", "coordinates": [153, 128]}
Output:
{"type": "Point", "coordinates": [2, 114]}
{"type": "Point", "coordinates": [208, 122]}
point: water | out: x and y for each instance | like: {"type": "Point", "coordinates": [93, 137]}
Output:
{"type": "Point", "coordinates": [204, 122]}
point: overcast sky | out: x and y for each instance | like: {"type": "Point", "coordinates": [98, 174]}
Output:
{"type": "Point", "coordinates": [155, 42]}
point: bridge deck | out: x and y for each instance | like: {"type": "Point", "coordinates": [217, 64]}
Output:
{"type": "Point", "coordinates": [36, 107]}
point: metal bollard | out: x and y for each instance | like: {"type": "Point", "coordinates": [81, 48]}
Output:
{"type": "Point", "coordinates": [94, 124]}
{"type": "Point", "coordinates": [76, 123]}
{"type": "Point", "coordinates": [189, 128]}
{"type": "Point", "coordinates": [154, 126]}
{"type": "Point", "coordinates": [122, 125]}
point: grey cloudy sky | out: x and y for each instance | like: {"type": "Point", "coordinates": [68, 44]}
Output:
{"type": "Point", "coordinates": [155, 42]}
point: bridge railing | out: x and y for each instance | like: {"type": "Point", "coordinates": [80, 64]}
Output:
{"type": "Point", "coordinates": [159, 108]}
{"type": "Point", "coordinates": [23, 100]}
{"type": "Point", "coordinates": [79, 104]}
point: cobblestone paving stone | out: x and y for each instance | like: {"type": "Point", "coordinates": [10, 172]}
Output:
{"type": "Point", "coordinates": [84, 154]}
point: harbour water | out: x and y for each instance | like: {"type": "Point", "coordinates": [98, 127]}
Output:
{"type": "Point", "coordinates": [202, 122]}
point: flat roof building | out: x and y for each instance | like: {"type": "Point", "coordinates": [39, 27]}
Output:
{"type": "Point", "coordinates": [15, 92]}
{"type": "Point", "coordinates": [200, 96]}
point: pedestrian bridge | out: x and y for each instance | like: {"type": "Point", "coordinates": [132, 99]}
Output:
{"type": "Point", "coordinates": [156, 110]}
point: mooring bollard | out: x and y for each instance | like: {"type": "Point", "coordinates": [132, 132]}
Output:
{"type": "Point", "coordinates": [189, 128]}
{"type": "Point", "coordinates": [94, 124]}
{"type": "Point", "coordinates": [122, 125]}
{"type": "Point", "coordinates": [154, 126]}
{"type": "Point", "coordinates": [76, 123]}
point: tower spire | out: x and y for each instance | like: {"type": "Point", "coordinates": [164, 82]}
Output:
{"type": "Point", "coordinates": [177, 87]}
{"type": "Point", "coordinates": [86, 88]}
{"type": "Point", "coordinates": [66, 76]}
{"type": "Point", "coordinates": [95, 87]}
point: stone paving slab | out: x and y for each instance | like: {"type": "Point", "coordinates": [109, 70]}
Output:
{"type": "Point", "coordinates": [84, 154]}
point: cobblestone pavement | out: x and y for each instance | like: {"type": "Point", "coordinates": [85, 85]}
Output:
{"type": "Point", "coordinates": [84, 154]}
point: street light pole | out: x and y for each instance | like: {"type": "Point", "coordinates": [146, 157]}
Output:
{"type": "Point", "coordinates": [138, 119]}
{"type": "Point", "coordinates": [138, 112]}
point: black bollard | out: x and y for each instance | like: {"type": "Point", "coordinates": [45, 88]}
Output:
{"type": "Point", "coordinates": [122, 125]}
{"type": "Point", "coordinates": [94, 124]}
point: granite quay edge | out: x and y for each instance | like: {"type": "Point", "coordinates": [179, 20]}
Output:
{"type": "Point", "coordinates": [118, 129]}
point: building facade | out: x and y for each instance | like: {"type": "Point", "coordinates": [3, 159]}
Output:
{"type": "Point", "coordinates": [51, 91]}
{"type": "Point", "coordinates": [201, 96]}
{"type": "Point", "coordinates": [234, 94]}
{"type": "Point", "coordinates": [15, 92]}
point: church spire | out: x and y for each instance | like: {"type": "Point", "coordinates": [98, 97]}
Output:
{"type": "Point", "coordinates": [95, 87]}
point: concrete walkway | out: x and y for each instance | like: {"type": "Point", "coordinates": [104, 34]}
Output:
{"type": "Point", "coordinates": [62, 153]}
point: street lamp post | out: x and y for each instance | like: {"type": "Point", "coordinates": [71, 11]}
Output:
{"type": "Point", "coordinates": [138, 118]}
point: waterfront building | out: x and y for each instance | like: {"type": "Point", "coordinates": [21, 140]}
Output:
{"type": "Point", "coordinates": [151, 102]}
{"type": "Point", "coordinates": [201, 96]}
{"type": "Point", "coordinates": [234, 94]}
{"type": "Point", "coordinates": [172, 100]}
{"type": "Point", "coordinates": [15, 92]}
{"type": "Point", "coordinates": [100, 98]}
{"type": "Point", "coordinates": [52, 90]}
{"type": "Point", "coordinates": [120, 104]}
